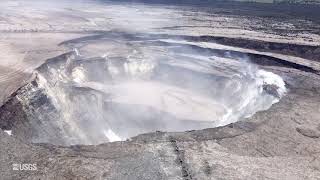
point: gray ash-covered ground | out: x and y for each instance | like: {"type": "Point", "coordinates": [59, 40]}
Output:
{"type": "Point", "coordinates": [72, 75]}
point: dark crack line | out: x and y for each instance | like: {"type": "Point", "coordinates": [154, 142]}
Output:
{"type": "Point", "coordinates": [186, 172]}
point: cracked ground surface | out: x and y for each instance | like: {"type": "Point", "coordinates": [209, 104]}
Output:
{"type": "Point", "coordinates": [282, 142]}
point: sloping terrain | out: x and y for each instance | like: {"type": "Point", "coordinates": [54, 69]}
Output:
{"type": "Point", "coordinates": [279, 142]}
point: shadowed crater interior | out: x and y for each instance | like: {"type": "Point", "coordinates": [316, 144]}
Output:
{"type": "Point", "coordinates": [115, 86]}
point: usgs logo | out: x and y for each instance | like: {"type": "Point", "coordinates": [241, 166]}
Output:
{"type": "Point", "coordinates": [24, 167]}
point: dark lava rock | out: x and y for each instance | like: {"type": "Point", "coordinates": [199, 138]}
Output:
{"type": "Point", "coordinates": [272, 90]}
{"type": "Point", "coordinates": [308, 132]}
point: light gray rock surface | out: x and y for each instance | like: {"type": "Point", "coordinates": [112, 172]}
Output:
{"type": "Point", "coordinates": [282, 142]}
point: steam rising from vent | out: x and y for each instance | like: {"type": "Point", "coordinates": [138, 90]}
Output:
{"type": "Point", "coordinates": [111, 96]}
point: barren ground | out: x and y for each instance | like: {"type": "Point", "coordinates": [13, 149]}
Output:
{"type": "Point", "coordinates": [282, 142]}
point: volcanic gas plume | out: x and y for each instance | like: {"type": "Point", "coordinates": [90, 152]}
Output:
{"type": "Point", "coordinates": [92, 96]}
